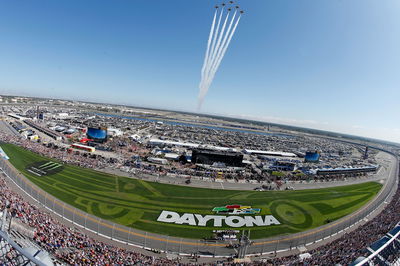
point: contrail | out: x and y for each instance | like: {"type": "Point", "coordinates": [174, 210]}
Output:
{"type": "Point", "coordinates": [217, 45]}
{"type": "Point", "coordinates": [208, 48]}
{"type": "Point", "coordinates": [216, 32]}
{"type": "Point", "coordinates": [220, 53]}
{"type": "Point", "coordinates": [219, 60]}
{"type": "Point", "coordinates": [214, 50]}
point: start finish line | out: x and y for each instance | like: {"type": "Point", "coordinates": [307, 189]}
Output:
{"type": "Point", "coordinates": [231, 221]}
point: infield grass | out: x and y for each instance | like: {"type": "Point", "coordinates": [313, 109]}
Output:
{"type": "Point", "coordinates": [136, 203]}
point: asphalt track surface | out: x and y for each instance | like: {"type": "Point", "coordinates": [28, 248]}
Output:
{"type": "Point", "coordinates": [182, 246]}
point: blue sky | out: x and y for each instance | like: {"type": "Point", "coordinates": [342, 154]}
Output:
{"type": "Point", "coordinates": [331, 65]}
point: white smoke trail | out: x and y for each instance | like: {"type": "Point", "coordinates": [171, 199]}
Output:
{"type": "Point", "coordinates": [202, 88]}
{"type": "Point", "coordinates": [216, 52]}
{"type": "Point", "coordinates": [223, 53]}
{"type": "Point", "coordinates": [208, 48]}
{"type": "Point", "coordinates": [215, 38]}
{"type": "Point", "coordinates": [218, 45]}
{"type": "Point", "coordinates": [220, 54]}
{"type": "Point", "coordinates": [218, 63]}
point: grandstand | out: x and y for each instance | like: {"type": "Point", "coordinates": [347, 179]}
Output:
{"type": "Point", "coordinates": [18, 126]}
{"type": "Point", "coordinates": [15, 116]}
{"type": "Point", "coordinates": [270, 153]}
{"type": "Point", "coordinates": [283, 166]}
{"type": "Point", "coordinates": [354, 170]}
{"type": "Point", "coordinates": [46, 131]}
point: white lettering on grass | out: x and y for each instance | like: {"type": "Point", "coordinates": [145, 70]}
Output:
{"type": "Point", "coordinates": [218, 220]}
{"type": "Point", "coordinates": [269, 219]}
{"type": "Point", "coordinates": [168, 217]}
{"type": "Point", "coordinates": [187, 218]}
{"type": "Point", "coordinates": [240, 222]}
{"type": "Point", "coordinates": [203, 220]}
{"type": "Point", "coordinates": [251, 221]}
{"type": "Point", "coordinates": [231, 221]}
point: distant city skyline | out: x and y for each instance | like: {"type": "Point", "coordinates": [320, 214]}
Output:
{"type": "Point", "coordinates": [329, 65]}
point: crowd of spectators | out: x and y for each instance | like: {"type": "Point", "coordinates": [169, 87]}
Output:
{"type": "Point", "coordinates": [68, 244]}
{"type": "Point", "coordinates": [8, 255]}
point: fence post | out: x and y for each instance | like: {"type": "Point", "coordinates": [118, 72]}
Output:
{"type": "Point", "coordinates": [85, 220]}
{"type": "Point", "coordinates": [145, 241]}
{"type": "Point", "coordinates": [28, 189]}
{"type": "Point", "coordinates": [18, 180]}
{"type": "Point", "coordinates": [166, 245]}
{"type": "Point", "coordinates": [351, 222]}
{"type": "Point", "coordinates": [21, 180]}
{"type": "Point", "coordinates": [129, 235]}
{"type": "Point", "coordinates": [262, 248]}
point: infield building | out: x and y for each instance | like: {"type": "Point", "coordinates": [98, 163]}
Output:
{"type": "Point", "coordinates": [205, 156]}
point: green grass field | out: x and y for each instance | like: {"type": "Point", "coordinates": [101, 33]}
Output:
{"type": "Point", "coordinates": [138, 203]}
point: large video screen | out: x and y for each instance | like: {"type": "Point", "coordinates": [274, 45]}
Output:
{"type": "Point", "coordinates": [97, 134]}
{"type": "Point", "coordinates": [312, 157]}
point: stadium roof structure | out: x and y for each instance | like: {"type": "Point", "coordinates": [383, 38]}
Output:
{"type": "Point", "coordinates": [41, 255]}
{"type": "Point", "coordinates": [369, 167]}
{"type": "Point", "coordinates": [271, 153]}
{"type": "Point", "coordinates": [190, 145]}
{"type": "Point", "coordinates": [17, 116]}
{"type": "Point", "coordinates": [171, 155]}
{"type": "Point", "coordinates": [53, 134]}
